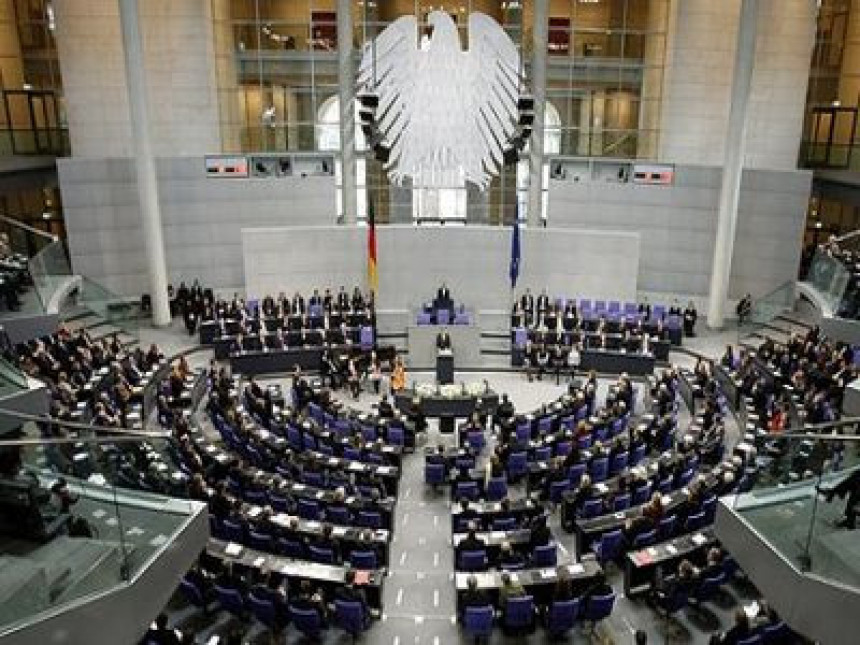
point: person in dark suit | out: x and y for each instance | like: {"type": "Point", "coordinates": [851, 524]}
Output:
{"type": "Point", "coordinates": [443, 296]}
{"type": "Point", "coordinates": [161, 634]}
{"type": "Point", "coordinates": [471, 542]}
{"type": "Point", "coordinates": [349, 592]}
{"type": "Point", "coordinates": [690, 318]}
{"type": "Point", "coordinates": [309, 598]}
{"type": "Point", "coordinates": [739, 631]}
{"type": "Point", "coordinates": [598, 588]}
{"type": "Point", "coordinates": [540, 533]}
{"type": "Point", "coordinates": [683, 582]}
{"type": "Point", "coordinates": [508, 558]}
{"type": "Point", "coordinates": [443, 340]}
{"type": "Point", "coordinates": [385, 409]}
{"type": "Point", "coordinates": [473, 597]}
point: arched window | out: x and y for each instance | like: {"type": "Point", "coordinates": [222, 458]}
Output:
{"type": "Point", "coordinates": [551, 146]}
{"type": "Point", "coordinates": [327, 133]}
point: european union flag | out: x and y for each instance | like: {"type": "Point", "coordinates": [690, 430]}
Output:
{"type": "Point", "coordinates": [515, 251]}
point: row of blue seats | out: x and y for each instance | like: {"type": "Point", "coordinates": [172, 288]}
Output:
{"type": "Point", "coordinates": [519, 615]}
{"type": "Point", "coordinates": [349, 616]}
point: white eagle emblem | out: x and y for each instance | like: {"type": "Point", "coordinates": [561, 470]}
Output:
{"type": "Point", "coordinates": [446, 114]}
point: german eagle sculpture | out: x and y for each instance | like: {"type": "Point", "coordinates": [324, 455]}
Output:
{"type": "Point", "coordinates": [446, 114]}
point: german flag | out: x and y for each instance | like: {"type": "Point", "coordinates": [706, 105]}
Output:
{"type": "Point", "coordinates": [372, 276]}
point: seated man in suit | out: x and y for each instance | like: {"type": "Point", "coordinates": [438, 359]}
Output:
{"type": "Point", "coordinates": [510, 589]}
{"type": "Point", "coordinates": [443, 340]}
{"type": "Point", "coordinates": [327, 541]}
{"type": "Point", "coordinates": [385, 409]}
{"type": "Point", "coordinates": [471, 542]}
{"type": "Point", "coordinates": [473, 597]}
{"type": "Point", "coordinates": [682, 583]}
{"type": "Point", "coordinates": [541, 535]}
{"type": "Point", "coordinates": [349, 592]}
{"type": "Point", "coordinates": [309, 598]}
{"type": "Point", "coordinates": [161, 634]}
{"type": "Point", "coordinates": [508, 558]}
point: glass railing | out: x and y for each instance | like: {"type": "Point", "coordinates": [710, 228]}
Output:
{"type": "Point", "coordinates": [118, 311]}
{"type": "Point", "coordinates": [97, 531]}
{"type": "Point", "coordinates": [783, 503]}
{"type": "Point", "coordinates": [12, 379]}
{"type": "Point", "coordinates": [829, 277]}
{"type": "Point", "coordinates": [51, 272]}
{"type": "Point", "coordinates": [769, 306]}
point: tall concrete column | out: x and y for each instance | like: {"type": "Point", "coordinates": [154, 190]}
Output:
{"type": "Point", "coordinates": [147, 181]}
{"type": "Point", "coordinates": [539, 48]}
{"type": "Point", "coordinates": [727, 217]}
{"type": "Point", "coordinates": [346, 83]}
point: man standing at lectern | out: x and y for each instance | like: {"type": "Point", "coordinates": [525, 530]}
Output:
{"type": "Point", "coordinates": [443, 340]}
{"type": "Point", "coordinates": [443, 295]}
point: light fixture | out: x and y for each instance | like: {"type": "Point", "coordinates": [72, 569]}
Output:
{"type": "Point", "coordinates": [27, 86]}
{"type": "Point", "coordinates": [836, 103]}
{"type": "Point", "coordinates": [46, 215]}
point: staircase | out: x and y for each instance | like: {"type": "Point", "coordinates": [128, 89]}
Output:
{"type": "Point", "coordinates": [773, 317]}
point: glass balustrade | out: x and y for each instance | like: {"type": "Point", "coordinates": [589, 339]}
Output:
{"type": "Point", "coordinates": [829, 277]}
{"type": "Point", "coordinates": [82, 514]}
{"type": "Point", "coordinates": [784, 507]}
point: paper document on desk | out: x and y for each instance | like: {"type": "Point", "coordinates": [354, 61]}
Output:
{"type": "Point", "coordinates": [233, 549]}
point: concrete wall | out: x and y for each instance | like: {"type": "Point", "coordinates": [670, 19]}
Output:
{"type": "Point", "coordinates": [414, 261]}
{"type": "Point", "coordinates": [698, 81]}
{"type": "Point", "coordinates": [202, 218]}
{"type": "Point", "coordinates": [178, 48]}
{"type": "Point", "coordinates": [677, 225]}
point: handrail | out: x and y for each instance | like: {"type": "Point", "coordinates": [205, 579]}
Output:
{"type": "Point", "coordinates": [848, 236]}
{"type": "Point", "coordinates": [31, 229]}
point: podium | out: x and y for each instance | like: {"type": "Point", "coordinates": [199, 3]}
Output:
{"type": "Point", "coordinates": [444, 366]}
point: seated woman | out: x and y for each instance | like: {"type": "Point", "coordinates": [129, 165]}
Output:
{"type": "Point", "coordinates": [398, 376]}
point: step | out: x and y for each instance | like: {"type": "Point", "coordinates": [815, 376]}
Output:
{"type": "Point", "coordinates": [794, 319]}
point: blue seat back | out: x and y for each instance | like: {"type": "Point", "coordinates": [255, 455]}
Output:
{"type": "Point", "coordinates": [466, 490]}
{"type": "Point", "coordinates": [621, 502]}
{"type": "Point", "coordinates": [478, 621]}
{"type": "Point", "coordinates": [307, 621]}
{"type": "Point", "coordinates": [363, 560]}
{"type": "Point", "coordinates": [338, 515]}
{"type": "Point", "coordinates": [263, 610]}
{"type": "Point", "coordinates": [349, 616]}
{"type": "Point", "coordinates": [545, 556]}
{"type": "Point", "coordinates": [497, 488]}
{"type": "Point", "coordinates": [562, 616]}
{"type": "Point", "coordinates": [308, 509]}
{"type": "Point", "coordinates": [591, 508]}
{"type": "Point", "coordinates": [369, 519]}
{"type": "Point", "coordinates": [230, 599]}
{"type": "Point", "coordinates": [291, 548]}
{"type": "Point", "coordinates": [473, 560]}
{"type": "Point", "coordinates": [321, 554]}
{"type": "Point", "coordinates": [599, 607]}
{"type": "Point", "coordinates": [610, 546]}
{"type": "Point", "coordinates": [519, 612]}
{"type": "Point", "coordinates": [192, 593]}
{"type": "Point", "coordinates": [599, 469]}
{"type": "Point", "coordinates": [557, 489]}
{"type": "Point", "coordinates": [645, 539]}
{"type": "Point", "coordinates": [434, 474]}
